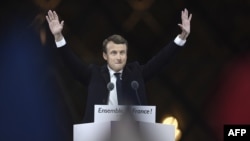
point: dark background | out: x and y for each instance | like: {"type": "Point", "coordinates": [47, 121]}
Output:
{"type": "Point", "coordinates": [205, 87]}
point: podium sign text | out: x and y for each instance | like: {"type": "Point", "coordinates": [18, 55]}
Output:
{"type": "Point", "coordinates": [104, 113]}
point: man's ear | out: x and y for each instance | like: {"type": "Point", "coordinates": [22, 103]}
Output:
{"type": "Point", "coordinates": [104, 55]}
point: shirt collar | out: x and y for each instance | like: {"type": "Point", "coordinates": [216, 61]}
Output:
{"type": "Point", "coordinates": [111, 72]}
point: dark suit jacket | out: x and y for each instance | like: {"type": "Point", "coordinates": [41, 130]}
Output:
{"type": "Point", "coordinates": [96, 77]}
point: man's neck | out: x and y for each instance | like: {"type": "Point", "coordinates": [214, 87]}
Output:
{"type": "Point", "coordinates": [112, 71]}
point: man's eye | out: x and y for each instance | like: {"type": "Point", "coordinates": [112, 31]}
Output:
{"type": "Point", "coordinates": [113, 52]}
{"type": "Point", "coordinates": [122, 52]}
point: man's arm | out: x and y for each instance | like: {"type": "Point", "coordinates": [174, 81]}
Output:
{"type": "Point", "coordinates": [155, 64]}
{"type": "Point", "coordinates": [80, 70]}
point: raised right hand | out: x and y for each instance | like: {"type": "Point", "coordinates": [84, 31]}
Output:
{"type": "Point", "coordinates": [55, 25]}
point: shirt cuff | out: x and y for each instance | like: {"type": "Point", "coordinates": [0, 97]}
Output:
{"type": "Point", "coordinates": [60, 43]}
{"type": "Point", "coordinates": [179, 41]}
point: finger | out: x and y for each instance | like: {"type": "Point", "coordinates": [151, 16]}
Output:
{"type": "Point", "coordinates": [55, 15]}
{"type": "Point", "coordinates": [186, 11]}
{"type": "Point", "coordinates": [190, 17]}
{"type": "Point", "coordinates": [180, 25]}
{"type": "Point", "coordinates": [184, 14]}
{"type": "Point", "coordinates": [49, 12]}
{"type": "Point", "coordinates": [62, 23]}
{"type": "Point", "coordinates": [52, 15]}
{"type": "Point", "coordinates": [47, 18]}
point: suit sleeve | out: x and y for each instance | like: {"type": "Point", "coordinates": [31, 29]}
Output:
{"type": "Point", "coordinates": [80, 70]}
{"type": "Point", "coordinates": [160, 60]}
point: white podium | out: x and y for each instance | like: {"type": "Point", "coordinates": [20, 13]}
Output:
{"type": "Point", "coordinates": [120, 123]}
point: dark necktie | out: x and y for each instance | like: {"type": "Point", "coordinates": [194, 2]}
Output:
{"type": "Point", "coordinates": [118, 87]}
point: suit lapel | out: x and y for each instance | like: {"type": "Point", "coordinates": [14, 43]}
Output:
{"type": "Point", "coordinates": [106, 78]}
{"type": "Point", "coordinates": [126, 78]}
{"type": "Point", "coordinates": [105, 74]}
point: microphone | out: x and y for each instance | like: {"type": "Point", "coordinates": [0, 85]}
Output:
{"type": "Point", "coordinates": [110, 87]}
{"type": "Point", "coordinates": [135, 85]}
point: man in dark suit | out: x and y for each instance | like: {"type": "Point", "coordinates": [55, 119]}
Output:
{"type": "Point", "coordinates": [132, 75]}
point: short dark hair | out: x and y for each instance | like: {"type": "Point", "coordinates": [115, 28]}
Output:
{"type": "Point", "coordinates": [117, 39]}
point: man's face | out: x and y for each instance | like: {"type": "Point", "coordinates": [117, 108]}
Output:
{"type": "Point", "coordinates": [116, 56]}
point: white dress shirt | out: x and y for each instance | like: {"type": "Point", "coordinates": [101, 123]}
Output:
{"type": "Point", "coordinates": [112, 100]}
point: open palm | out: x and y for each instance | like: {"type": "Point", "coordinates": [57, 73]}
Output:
{"type": "Point", "coordinates": [185, 25]}
{"type": "Point", "coordinates": [55, 25]}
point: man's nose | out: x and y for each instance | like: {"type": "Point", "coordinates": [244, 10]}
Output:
{"type": "Point", "coordinates": [119, 56]}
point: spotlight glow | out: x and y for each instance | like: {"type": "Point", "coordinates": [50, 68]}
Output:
{"type": "Point", "coordinates": [173, 121]}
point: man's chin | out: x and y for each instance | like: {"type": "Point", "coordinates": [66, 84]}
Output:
{"type": "Point", "coordinates": [118, 68]}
